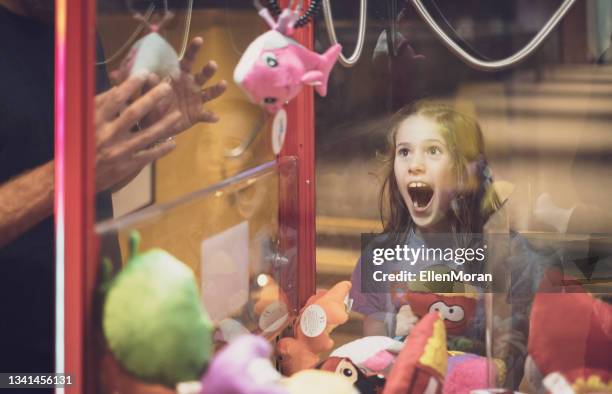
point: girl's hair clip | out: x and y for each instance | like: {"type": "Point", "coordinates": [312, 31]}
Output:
{"type": "Point", "coordinates": [484, 169]}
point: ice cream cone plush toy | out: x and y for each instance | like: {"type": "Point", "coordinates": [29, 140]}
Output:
{"type": "Point", "coordinates": [421, 365]}
{"type": "Point", "coordinates": [570, 343]}
{"type": "Point", "coordinates": [323, 312]}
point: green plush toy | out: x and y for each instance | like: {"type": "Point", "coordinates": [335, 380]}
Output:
{"type": "Point", "coordinates": [153, 320]}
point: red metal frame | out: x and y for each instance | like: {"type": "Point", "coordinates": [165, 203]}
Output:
{"type": "Point", "coordinates": [300, 142]}
{"type": "Point", "coordinates": [75, 189]}
{"type": "Point", "coordinates": [74, 183]}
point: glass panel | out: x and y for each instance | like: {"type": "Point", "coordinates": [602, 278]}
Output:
{"type": "Point", "coordinates": [229, 235]}
{"type": "Point", "coordinates": [206, 152]}
{"type": "Point", "coordinates": [217, 201]}
{"type": "Point", "coordinates": [546, 129]}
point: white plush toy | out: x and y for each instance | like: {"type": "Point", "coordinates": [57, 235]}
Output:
{"type": "Point", "coordinates": [151, 54]}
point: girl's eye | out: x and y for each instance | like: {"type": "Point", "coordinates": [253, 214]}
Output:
{"type": "Point", "coordinates": [434, 150]}
{"type": "Point", "coordinates": [403, 152]}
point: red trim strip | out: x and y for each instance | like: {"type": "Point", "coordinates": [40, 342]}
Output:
{"type": "Point", "coordinates": [75, 179]}
{"type": "Point", "coordinates": [300, 142]}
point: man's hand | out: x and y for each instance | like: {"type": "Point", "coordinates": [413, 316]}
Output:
{"type": "Point", "coordinates": [189, 92]}
{"type": "Point", "coordinates": [166, 109]}
{"type": "Point", "coordinates": [120, 152]}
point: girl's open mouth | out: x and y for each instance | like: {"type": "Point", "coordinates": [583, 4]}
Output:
{"type": "Point", "coordinates": [421, 195]}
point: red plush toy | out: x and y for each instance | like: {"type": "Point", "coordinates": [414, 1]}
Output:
{"type": "Point", "coordinates": [570, 341]}
{"type": "Point", "coordinates": [323, 312]}
{"type": "Point", "coordinates": [457, 310]}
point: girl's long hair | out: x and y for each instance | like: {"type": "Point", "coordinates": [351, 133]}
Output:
{"type": "Point", "coordinates": [476, 199]}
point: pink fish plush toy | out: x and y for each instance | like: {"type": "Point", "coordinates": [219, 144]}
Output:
{"type": "Point", "coordinates": [274, 68]}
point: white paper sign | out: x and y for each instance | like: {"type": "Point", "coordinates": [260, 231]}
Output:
{"type": "Point", "coordinates": [224, 263]}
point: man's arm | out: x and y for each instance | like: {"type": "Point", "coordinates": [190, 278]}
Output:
{"type": "Point", "coordinates": [120, 154]}
{"type": "Point", "coordinates": [28, 198]}
{"type": "Point", "coordinates": [25, 201]}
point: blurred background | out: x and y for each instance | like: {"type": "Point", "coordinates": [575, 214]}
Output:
{"type": "Point", "coordinates": [546, 121]}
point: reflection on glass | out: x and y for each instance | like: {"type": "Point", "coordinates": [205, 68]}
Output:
{"type": "Point", "coordinates": [244, 262]}
{"type": "Point", "coordinates": [546, 135]}
{"type": "Point", "coordinates": [201, 154]}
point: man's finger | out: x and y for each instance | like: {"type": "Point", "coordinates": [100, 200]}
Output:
{"type": "Point", "coordinates": [212, 92]}
{"type": "Point", "coordinates": [152, 81]}
{"type": "Point", "coordinates": [191, 53]}
{"type": "Point", "coordinates": [101, 98]}
{"type": "Point", "coordinates": [147, 156]}
{"type": "Point", "coordinates": [208, 117]}
{"type": "Point", "coordinates": [121, 94]}
{"type": "Point", "coordinates": [141, 107]}
{"type": "Point", "coordinates": [207, 73]}
{"type": "Point", "coordinates": [164, 128]}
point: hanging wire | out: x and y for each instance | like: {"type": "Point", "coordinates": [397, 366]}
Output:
{"type": "Point", "coordinates": [132, 38]}
{"type": "Point", "coordinates": [229, 30]}
{"type": "Point", "coordinates": [331, 31]}
{"type": "Point", "coordinates": [393, 16]}
{"type": "Point", "coordinates": [494, 65]}
{"type": "Point", "coordinates": [450, 26]}
{"type": "Point", "coordinates": [274, 7]}
{"type": "Point", "coordinates": [187, 29]}
{"type": "Point", "coordinates": [246, 142]}
{"type": "Point", "coordinates": [130, 6]}
{"type": "Point", "coordinates": [147, 17]}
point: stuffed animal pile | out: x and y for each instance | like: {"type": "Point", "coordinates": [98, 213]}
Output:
{"type": "Point", "coordinates": [157, 331]}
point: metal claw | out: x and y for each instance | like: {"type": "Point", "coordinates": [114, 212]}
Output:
{"type": "Point", "coordinates": [331, 31]}
{"type": "Point", "coordinates": [493, 65]}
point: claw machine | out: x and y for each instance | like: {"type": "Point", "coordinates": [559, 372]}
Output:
{"type": "Point", "coordinates": [456, 238]}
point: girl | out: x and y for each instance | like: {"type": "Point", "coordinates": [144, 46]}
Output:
{"type": "Point", "coordinates": [438, 178]}
{"type": "Point", "coordinates": [437, 183]}
{"type": "Point", "coordinates": [438, 193]}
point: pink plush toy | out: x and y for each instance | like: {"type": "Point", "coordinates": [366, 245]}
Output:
{"type": "Point", "coordinates": [274, 68]}
{"type": "Point", "coordinates": [467, 372]}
